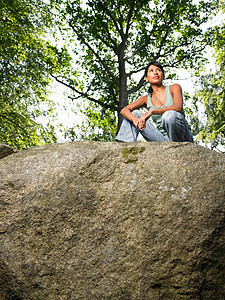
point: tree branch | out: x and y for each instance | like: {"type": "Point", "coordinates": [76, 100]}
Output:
{"type": "Point", "coordinates": [174, 64]}
{"type": "Point", "coordinates": [135, 71]}
{"type": "Point", "coordinates": [149, 34]}
{"type": "Point", "coordinates": [95, 53]}
{"type": "Point", "coordinates": [130, 14]}
{"type": "Point", "coordinates": [118, 8]}
{"type": "Point", "coordinates": [138, 86]}
{"type": "Point", "coordinates": [104, 8]}
{"type": "Point", "coordinates": [163, 41]}
{"type": "Point", "coordinates": [172, 50]}
{"type": "Point", "coordinates": [85, 95]}
{"type": "Point", "coordinates": [114, 48]}
{"type": "Point", "coordinates": [3, 116]}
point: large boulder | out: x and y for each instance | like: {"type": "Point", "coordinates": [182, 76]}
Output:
{"type": "Point", "coordinates": [91, 220]}
{"type": "Point", "coordinates": [5, 150]}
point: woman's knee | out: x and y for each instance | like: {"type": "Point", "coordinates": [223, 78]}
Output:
{"type": "Point", "coordinates": [137, 113]}
{"type": "Point", "coordinates": [171, 116]}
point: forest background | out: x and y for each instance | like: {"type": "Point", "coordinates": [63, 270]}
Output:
{"type": "Point", "coordinates": [96, 52]}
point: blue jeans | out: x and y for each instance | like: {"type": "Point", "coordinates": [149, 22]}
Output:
{"type": "Point", "coordinates": [173, 123]}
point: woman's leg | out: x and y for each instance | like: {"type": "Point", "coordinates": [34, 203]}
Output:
{"type": "Point", "coordinates": [128, 132]}
{"type": "Point", "coordinates": [176, 127]}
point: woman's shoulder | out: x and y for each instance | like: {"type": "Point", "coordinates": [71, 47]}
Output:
{"type": "Point", "coordinates": [144, 101]}
{"type": "Point", "coordinates": [143, 98]}
{"type": "Point", "coordinates": [140, 102]}
{"type": "Point", "coordinates": [174, 86]}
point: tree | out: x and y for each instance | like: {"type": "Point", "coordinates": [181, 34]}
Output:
{"type": "Point", "coordinates": [208, 112]}
{"type": "Point", "coordinates": [115, 39]}
{"type": "Point", "coordinates": [25, 61]}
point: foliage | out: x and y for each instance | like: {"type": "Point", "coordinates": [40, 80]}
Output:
{"type": "Point", "coordinates": [210, 98]}
{"type": "Point", "coordinates": [26, 60]}
{"type": "Point", "coordinates": [94, 127]}
{"type": "Point", "coordinates": [114, 40]}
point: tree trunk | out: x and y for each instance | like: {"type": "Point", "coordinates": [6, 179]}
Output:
{"type": "Point", "coordinates": [123, 95]}
{"type": "Point", "coordinates": [123, 92]}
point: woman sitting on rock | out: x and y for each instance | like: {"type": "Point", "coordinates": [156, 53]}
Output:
{"type": "Point", "coordinates": [165, 107]}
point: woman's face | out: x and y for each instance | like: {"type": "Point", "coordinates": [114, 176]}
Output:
{"type": "Point", "coordinates": [154, 75]}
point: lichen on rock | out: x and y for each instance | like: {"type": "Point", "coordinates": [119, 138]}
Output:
{"type": "Point", "coordinates": [130, 154]}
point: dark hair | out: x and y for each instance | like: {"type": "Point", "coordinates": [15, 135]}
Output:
{"type": "Point", "coordinates": [154, 63]}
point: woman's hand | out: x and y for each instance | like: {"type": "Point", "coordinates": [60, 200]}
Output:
{"type": "Point", "coordinates": [142, 120]}
{"type": "Point", "coordinates": [141, 123]}
{"type": "Point", "coordinates": [135, 121]}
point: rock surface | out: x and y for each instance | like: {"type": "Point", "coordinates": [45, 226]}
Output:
{"type": "Point", "coordinates": [5, 150]}
{"type": "Point", "coordinates": [91, 220]}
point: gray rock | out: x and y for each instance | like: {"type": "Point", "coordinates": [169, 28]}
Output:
{"type": "Point", "coordinates": [5, 150]}
{"type": "Point", "coordinates": [91, 220]}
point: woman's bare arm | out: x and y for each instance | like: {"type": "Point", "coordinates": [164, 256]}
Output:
{"type": "Point", "coordinates": [127, 110]}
